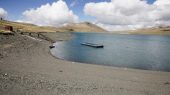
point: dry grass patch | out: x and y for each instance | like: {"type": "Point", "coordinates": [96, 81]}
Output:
{"type": "Point", "coordinates": [156, 31]}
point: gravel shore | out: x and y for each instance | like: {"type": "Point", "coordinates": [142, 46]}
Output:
{"type": "Point", "coordinates": [28, 68]}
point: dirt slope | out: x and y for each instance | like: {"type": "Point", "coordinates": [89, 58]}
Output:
{"type": "Point", "coordinates": [76, 27]}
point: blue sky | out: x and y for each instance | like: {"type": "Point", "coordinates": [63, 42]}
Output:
{"type": "Point", "coordinates": [15, 8]}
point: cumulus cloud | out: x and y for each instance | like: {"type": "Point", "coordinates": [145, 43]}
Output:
{"type": "Point", "coordinates": [3, 13]}
{"type": "Point", "coordinates": [54, 14]}
{"type": "Point", "coordinates": [129, 14]}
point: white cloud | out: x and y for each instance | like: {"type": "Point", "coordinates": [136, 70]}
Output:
{"type": "Point", "coordinates": [129, 14]}
{"type": "Point", "coordinates": [119, 27]}
{"type": "Point", "coordinates": [162, 2]}
{"type": "Point", "coordinates": [3, 13]}
{"type": "Point", "coordinates": [54, 14]}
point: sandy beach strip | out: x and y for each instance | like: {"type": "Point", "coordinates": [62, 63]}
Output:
{"type": "Point", "coordinates": [28, 68]}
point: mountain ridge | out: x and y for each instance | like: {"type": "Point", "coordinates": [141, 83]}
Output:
{"type": "Point", "coordinates": [73, 27]}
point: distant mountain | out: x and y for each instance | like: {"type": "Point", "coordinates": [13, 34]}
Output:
{"type": "Point", "coordinates": [76, 27]}
{"type": "Point", "coordinates": [82, 27]}
{"type": "Point", "coordinates": [160, 30]}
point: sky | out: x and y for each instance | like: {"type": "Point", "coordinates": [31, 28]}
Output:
{"type": "Point", "coordinates": [17, 7]}
{"type": "Point", "coordinates": [112, 15]}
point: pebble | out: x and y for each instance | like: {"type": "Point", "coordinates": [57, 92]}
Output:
{"type": "Point", "coordinates": [60, 71]}
{"type": "Point", "coordinates": [5, 74]}
{"type": "Point", "coordinates": [167, 83]}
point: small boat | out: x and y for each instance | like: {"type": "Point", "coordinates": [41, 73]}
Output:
{"type": "Point", "coordinates": [51, 46]}
{"type": "Point", "coordinates": [93, 45]}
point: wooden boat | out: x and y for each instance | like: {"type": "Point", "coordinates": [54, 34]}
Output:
{"type": "Point", "coordinates": [93, 45]}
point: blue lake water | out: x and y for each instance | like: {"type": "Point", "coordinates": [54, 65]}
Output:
{"type": "Point", "coordinates": [148, 52]}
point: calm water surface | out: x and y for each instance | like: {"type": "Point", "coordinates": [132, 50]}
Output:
{"type": "Point", "coordinates": [147, 52]}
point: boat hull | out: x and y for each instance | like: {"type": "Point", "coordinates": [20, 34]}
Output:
{"type": "Point", "coordinates": [93, 45]}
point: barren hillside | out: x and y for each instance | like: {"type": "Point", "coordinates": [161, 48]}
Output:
{"type": "Point", "coordinates": [162, 30]}
{"type": "Point", "coordinates": [76, 27]}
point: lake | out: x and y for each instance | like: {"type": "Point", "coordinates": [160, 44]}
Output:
{"type": "Point", "coordinates": [148, 52]}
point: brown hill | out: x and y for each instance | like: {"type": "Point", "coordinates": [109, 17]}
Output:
{"type": "Point", "coordinates": [83, 27]}
{"type": "Point", "coordinates": [76, 27]}
{"type": "Point", "coordinates": [161, 30]}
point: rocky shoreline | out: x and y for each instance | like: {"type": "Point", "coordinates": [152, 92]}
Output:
{"type": "Point", "coordinates": [27, 68]}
